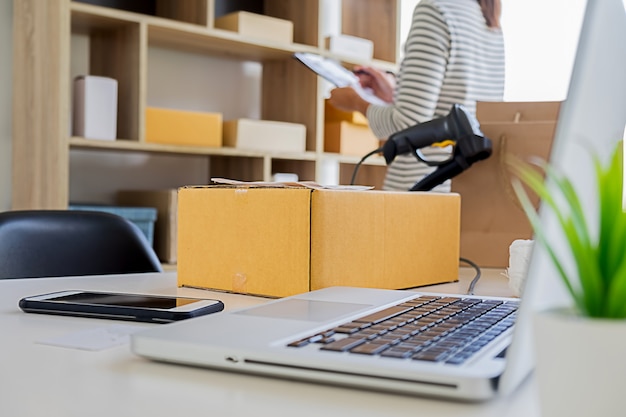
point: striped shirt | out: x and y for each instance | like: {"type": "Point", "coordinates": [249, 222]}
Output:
{"type": "Point", "coordinates": [451, 56]}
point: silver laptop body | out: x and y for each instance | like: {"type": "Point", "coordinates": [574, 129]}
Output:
{"type": "Point", "coordinates": [257, 339]}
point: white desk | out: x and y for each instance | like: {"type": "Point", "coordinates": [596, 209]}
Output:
{"type": "Point", "coordinates": [43, 380]}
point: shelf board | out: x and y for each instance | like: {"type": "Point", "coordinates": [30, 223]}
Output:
{"type": "Point", "coordinates": [196, 38]}
{"type": "Point", "coordinates": [123, 145]}
{"type": "Point", "coordinates": [136, 146]}
{"type": "Point", "coordinates": [185, 36]}
{"type": "Point", "coordinates": [219, 41]}
{"type": "Point", "coordinates": [353, 160]}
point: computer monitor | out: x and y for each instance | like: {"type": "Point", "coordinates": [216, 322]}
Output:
{"type": "Point", "coordinates": [591, 122]}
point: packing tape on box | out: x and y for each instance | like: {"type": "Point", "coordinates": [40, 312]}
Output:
{"type": "Point", "coordinates": [519, 258]}
{"type": "Point", "coordinates": [240, 282]}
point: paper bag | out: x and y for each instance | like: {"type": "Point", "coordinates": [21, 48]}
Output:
{"type": "Point", "coordinates": [491, 216]}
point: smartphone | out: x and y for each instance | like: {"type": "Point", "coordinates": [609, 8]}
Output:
{"type": "Point", "coordinates": [120, 306]}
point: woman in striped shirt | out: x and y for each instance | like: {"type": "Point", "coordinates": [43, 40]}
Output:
{"type": "Point", "coordinates": [454, 54]}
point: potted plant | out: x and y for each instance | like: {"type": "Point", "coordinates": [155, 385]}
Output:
{"type": "Point", "coordinates": [581, 350]}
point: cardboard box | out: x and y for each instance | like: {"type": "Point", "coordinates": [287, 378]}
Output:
{"type": "Point", "coordinates": [257, 26]}
{"type": "Point", "coordinates": [180, 127]}
{"type": "Point", "coordinates": [349, 138]}
{"type": "Point", "coordinates": [491, 216]}
{"type": "Point", "coordinates": [285, 241]}
{"type": "Point", "coordinates": [166, 227]}
{"type": "Point", "coordinates": [517, 112]}
{"type": "Point", "coordinates": [333, 114]}
{"type": "Point", "coordinates": [265, 136]}
{"type": "Point", "coordinates": [352, 46]}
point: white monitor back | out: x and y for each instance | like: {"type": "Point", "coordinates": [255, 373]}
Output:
{"type": "Point", "coordinates": [591, 123]}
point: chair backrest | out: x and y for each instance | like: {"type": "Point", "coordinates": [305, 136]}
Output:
{"type": "Point", "coordinates": [52, 243]}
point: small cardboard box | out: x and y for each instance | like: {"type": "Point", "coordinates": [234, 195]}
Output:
{"type": "Point", "coordinates": [265, 135]}
{"type": "Point", "coordinates": [349, 139]}
{"type": "Point", "coordinates": [333, 114]}
{"type": "Point", "coordinates": [347, 45]}
{"type": "Point", "coordinates": [257, 26]}
{"type": "Point", "coordinates": [491, 216]}
{"type": "Point", "coordinates": [284, 241]}
{"type": "Point", "coordinates": [166, 226]}
{"type": "Point", "coordinates": [180, 127]}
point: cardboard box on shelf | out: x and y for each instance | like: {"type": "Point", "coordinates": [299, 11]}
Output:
{"type": "Point", "coordinates": [257, 26]}
{"type": "Point", "coordinates": [333, 114]}
{"type": "Point", "coordinates": [181, 127]}
{"type": "Point", "coordinates": [265, 135]}
{"type": "Point", "coordinates": [284, 241]}
{"type": "Point", "coordinates": [166, 226]}
{"type": "Point", "coordinates": [491, 217]}
{"type": "Point", "coordinates": [349, 139]}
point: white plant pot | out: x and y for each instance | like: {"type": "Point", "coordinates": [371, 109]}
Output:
{"type": "Point", "coordinates": [581, 365]}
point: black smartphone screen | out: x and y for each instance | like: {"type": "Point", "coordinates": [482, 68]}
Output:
{"type": "Point", "coordinates": [124, 300]}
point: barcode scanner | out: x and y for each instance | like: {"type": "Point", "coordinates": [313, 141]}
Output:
{"type": "Point", "coordinates": [459, 129]}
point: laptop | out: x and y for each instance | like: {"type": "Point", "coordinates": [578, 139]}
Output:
{"type": "Point", "coordinates": [335, 335]}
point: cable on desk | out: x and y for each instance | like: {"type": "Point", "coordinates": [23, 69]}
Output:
{"type": "Point", "coordinates": [358, 165]}
{"type": "Point", "coordinates": [470, 289]}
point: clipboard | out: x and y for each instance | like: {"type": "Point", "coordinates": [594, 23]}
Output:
{"type": "Point", "coordinates": [336, 74]}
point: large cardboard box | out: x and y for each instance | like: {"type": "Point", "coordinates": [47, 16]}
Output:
{"type": "Point", "coordinates": [181, 127]}
{"type": "Point", "coordinates": [166, 226]}
{"type": "Point", "coordinates": [265, 135]}
{"type": "Point", "coordinates": [257, 26]}
{"type": "Point", "coordinates": [491, 216]}
{"type": "Point", "coordinates": [284, 241]}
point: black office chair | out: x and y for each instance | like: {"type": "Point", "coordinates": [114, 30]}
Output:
{"type": "Point", "coordinates": [53, 243]}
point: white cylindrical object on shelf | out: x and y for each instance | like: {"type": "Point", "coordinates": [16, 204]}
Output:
{"type": "Point", "coordinates": [95, 107]}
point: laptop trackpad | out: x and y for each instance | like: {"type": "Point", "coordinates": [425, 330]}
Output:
{"type": "Point", "coordinates": [307, 310]}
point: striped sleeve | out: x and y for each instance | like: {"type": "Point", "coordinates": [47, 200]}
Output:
{"type": "Point", "coordinates": [420, 77]}
{"type": "Point", "coordinates": [451, 57]}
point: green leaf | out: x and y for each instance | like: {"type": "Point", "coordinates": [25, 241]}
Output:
{"type": "Point", "coordinates": [598, 285]}
{"type": "Point", "coordinates": [535, 222]}
{"type": "Point", "coordinates": [616, 299]}
{"type": "Point", "coordinates": [612, 237]}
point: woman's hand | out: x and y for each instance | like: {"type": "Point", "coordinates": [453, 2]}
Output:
{"type": "Point", "coordinates": [347, 99]}
{"type": "Point", "coordinates": [382, 83]}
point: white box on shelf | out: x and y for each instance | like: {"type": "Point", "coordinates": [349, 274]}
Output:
{"type": "Point", "coordinates": [352, 46]}
{"type": "Point", "coordinates": [95, 107]}
{"type": "Point", "coordinates": [265, 135]}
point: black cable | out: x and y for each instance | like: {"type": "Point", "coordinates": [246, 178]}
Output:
{"type": "Point", "coordinates": [470, 289]}
{"type": "Point", "coordinates": [356, 168]}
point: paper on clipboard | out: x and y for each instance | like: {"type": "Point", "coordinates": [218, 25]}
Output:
{"type": "Point", "coordinates": [334, 72]}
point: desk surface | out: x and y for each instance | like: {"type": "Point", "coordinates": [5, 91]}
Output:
{"type": "Point", "coordinates": [43, 380]}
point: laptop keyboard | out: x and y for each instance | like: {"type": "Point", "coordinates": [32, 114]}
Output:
{"type": "Point", "coordinates": [428, 328]}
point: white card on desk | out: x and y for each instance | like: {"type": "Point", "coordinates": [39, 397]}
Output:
{"type": "Point", "coordinates": [94, 339]}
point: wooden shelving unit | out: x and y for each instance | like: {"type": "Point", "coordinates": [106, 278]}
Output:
{"type": "Point", "coordinates": [119, 41]}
